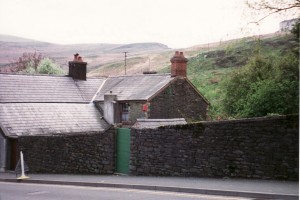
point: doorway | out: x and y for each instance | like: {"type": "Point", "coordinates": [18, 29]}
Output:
{"type": "Point", "coordinates": [123, 150]}
{"type": "Point", "coordinates": [13, 154]}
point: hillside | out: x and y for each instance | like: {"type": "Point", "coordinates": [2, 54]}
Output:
{"type": "Point", "coordinates": [12, 47]}
{"type": "Point", "coordinates": [225, 53]}
{"type": "Point", "coordinates": [108, 59]}
{"type": "Point", "coordinates": [209, 68]}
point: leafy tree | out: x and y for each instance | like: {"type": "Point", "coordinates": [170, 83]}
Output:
{"type": "Point", "coordinates": [35, 63]}
{"type": "Point", "coordinates": [47, 66]}
{"type": "Point", "coordinates": [265, 85]}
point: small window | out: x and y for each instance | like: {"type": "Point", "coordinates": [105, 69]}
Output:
{"type": "Point", "coordinates": [125, 112]}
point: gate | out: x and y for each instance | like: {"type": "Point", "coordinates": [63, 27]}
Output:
{"type": "Point", "coordinates": [123, 150]}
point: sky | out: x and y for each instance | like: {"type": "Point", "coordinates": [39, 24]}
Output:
{"type": "Point", "coordinates": [176, 23]}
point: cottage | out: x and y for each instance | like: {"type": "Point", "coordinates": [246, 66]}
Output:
{"type": "Point", "coordinates": [153, 96]}
{"type": "Point", "coordinates": [41, 105]}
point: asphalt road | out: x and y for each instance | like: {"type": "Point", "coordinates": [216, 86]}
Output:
{"type": "Point", "coordinates": [13, 191]}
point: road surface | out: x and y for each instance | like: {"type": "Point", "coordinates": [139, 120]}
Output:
{"type": "Point", "coordinates": [13, 191]}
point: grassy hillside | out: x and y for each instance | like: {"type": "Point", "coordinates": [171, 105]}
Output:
{"type": "Point", "coordinates": [209, 68]}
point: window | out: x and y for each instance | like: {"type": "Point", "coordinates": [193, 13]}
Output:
{"type": "Point", "coordinates": [125, 112]}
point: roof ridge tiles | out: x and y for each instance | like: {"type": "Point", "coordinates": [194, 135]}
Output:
{"type": "Point", "coordinates": [49, 75]}
{"type": "Point", "coordinates": [135, 75]}
{"type": "Point", "coordinates": [26, 74]}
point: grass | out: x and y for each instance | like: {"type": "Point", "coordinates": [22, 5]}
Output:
{"type": "Point", "coordinates": [209, 69]}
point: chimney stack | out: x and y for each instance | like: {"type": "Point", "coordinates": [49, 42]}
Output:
{"type": "Point", "coordinates": [109, 110]}
{"type": "Point", "coordinates": [178, 67]}
{"type": "Point", "coordinates": [77, 68]}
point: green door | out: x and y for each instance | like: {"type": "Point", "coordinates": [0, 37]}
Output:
{"type": "Point", "coordinates": [123, 150]}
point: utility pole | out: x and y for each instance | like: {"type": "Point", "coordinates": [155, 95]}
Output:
{"type": "Point", "coordinates": [125, 54]}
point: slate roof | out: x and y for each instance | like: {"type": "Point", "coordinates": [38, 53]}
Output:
{"type": "Point", "coordinates": [135, 87]}
{"type": "Point", "coordinates": [63, 89]}
{"type": "Point", "coordinates": [47, 105]}
{"type": "Point", "coordinates": [39, 88]}
{"type": "Point", "coordinates": [155, 123]}
{"type": "Point", "coordinates": [89, 88]}
{"type": "Point", "coordinates": [49, 118]}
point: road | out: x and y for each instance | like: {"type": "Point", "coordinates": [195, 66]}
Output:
{"type": "Point", "coordinates": [13, 191]}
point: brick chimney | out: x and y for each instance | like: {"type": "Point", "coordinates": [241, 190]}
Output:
{"type": "Point", "coordinates": [77, 68]}
{"type": "Point", "coordinates": [178, 67]}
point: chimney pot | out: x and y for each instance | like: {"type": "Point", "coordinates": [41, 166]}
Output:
{"type": "Point", "coordinates": [80, 59]}
{"type": "Point", "coordinates": [75, 57]}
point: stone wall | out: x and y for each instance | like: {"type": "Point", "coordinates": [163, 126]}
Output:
{"type": "Point", "coordinates": [266, 148]}
{"type": "Point", "coordinates": [178, 100]}
{"type": "Point", "coordinates": [84, 153]}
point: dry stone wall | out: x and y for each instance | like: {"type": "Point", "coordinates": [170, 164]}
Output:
{"type": "Point", "coordinates": [83, 153]}
{"type": "Point", "coordinates": [264, 148]}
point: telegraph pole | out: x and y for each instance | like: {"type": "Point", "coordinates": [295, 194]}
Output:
{"type": "Point", "coordinates": [125, 54]}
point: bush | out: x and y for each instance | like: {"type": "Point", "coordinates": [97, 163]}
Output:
{"type": "Point", "coordinates": [47, 66]}
{"type": "Point", "coordinates": [265, 85]}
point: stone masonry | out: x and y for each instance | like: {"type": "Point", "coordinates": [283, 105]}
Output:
{"type": "Point", "coordinates": [178, 100]}
{"type": "Point", "coordinates": [263, 148]}
{"type": "Point", "coordinates": [84, 153]}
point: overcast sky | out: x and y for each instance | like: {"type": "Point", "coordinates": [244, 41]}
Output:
{"type": "Point", "coordinates": [176, 23]}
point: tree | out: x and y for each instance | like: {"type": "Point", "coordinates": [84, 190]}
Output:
{"type": "Point", "coordinates": [264, 86]}
{"type": "Point", "coordinates": [296, 29]}
{"type": "Point", "coordinates": [46, 66]}
{"type": "Point", "coordinates": [265, 8]}
{"type": "Point", "coordinates": [27, 60]}
{"type": "Point", "coordinates": [35, 63]}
